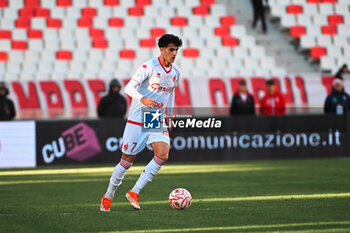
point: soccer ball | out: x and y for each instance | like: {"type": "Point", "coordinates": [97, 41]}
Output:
{"type": "Point", "coordinates": [180, 199]}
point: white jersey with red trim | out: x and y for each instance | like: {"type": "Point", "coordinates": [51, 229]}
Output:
{"type": "Point", "coordinates": [156, 82]}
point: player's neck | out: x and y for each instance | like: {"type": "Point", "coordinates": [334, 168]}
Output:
{"type": "Point", "coordinates": [164, 62]}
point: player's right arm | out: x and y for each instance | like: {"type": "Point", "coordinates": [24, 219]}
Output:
{"type": "Point", "coordinates": [131, 88]}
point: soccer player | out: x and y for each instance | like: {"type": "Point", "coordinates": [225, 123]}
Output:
{"type": "Point", "coordinates": [151, 87]}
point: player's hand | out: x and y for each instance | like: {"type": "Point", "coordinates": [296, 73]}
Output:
{"type": "Point", "coordinates": [149, 102]}
{"type": "Point", "coordinates": [169, 122]}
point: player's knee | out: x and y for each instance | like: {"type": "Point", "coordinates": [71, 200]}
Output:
{"type": "Point", "coordinates": [163, 156]}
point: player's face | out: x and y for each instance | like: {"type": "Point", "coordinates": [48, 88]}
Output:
{"type": "Point", "coordinates": [169, 53]}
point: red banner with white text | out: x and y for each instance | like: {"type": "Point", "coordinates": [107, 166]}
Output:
{"type": "Point", "coordinates": [33, 98]}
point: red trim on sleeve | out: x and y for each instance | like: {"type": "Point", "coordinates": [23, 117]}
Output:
{"type": "Point", "coordinates": [136, 81]}
{"type": "Point", "coordinates": [171, 66]}
{"type": "Point", "coordinates": [134, 122]}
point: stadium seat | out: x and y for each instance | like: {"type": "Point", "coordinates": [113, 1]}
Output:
{"type": "Point", "coordinates": [53, 23]}
{"type": "Point", "coordinates": [297, 31]}
{"type": "Point", "coordinates": [147, 43]}
{"type": "Point", "coordinates": [99, 43]}
{"type": "Point", "coordinates": [324, 41]}
{"type": "Point", "coordinates": [64, 55]}
{"type": "Point", "coordinates": [202, 10]}
{"type": "Point", "coordinates": [222, 31]}
{"type": "Point", "coordinates": [329, 30]}
{"type": "Point", "coordinates": [318, 52]}
{"type": "Point", "coordinates": [135, 11]}
{"type": "Point", "coordinates": [313, 30]}
{"type": "Point", "coordinates": [4, 56]}
{"type": "Point", "coordinates": [157, 32]}
{"type": "Point", "coordinates": [116, 22]}
{"type": "Point", "coordinates": [127, 54]}
{"type": "Point", "coordinates": [19, 45]}
{"type": "Point", "coordinates": [288, 21]}
{"type": "Point", "coordinates": [64, 3]}
{"type": "Point", "coordinates": [334, 51]}
{"type": "Point", "coordinates": [228, 20]}
{"type": "Point", "coordinates": [294, 9]}
{"type": "Point", "coordinates": [229, 41]}
{"type": "Point", "coordinates": [328, 64]}
{"type": "Point", "coordinates": [306, 42]}
{"type": "Point", "coordinates": [335, 19]}
{"type": "Point", "coordinates": [340, 40]}
{"type": "Point", "coordinates": [326, 9]}
{"type": "Point", "coordinates": [304, 20]}
{"type": "Point", "coordinates": [179, 21]}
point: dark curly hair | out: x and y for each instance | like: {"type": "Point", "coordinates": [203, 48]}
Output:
{"type": "Point", "coordinates": [167, 39]}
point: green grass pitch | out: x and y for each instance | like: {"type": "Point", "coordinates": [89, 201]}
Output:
{"type": "Point", "coordinates": [245, 196]}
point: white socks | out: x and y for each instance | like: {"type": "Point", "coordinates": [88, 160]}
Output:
{"type": "Point", "coordinates": [117, 177]}
{"type": "Point", "coordinates": [148, 173]}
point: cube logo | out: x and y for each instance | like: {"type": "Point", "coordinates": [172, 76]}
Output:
{"type": "Point", "coordinates": [152, 119]}
{"type": "Point", "coordinates": [78, 143]}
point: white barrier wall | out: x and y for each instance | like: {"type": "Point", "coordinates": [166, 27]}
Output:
{"type": "Point", "coordinates": [17, 144]}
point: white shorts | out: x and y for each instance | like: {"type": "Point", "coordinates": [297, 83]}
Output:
{"type": "Point", "coordinates": [135, 139]}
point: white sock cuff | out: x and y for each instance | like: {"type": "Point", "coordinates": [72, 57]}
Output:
{"type": "Point", "coordinates": [125, 164]}
{"type": "Point", "coordinates": [158, 160]}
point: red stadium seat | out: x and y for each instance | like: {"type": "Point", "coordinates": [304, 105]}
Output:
{"type": "Point", "coordinates": [96, 33]}
{"type": "Point", "coordinates": [127, 54]}
{"type": "Point", "coordinates": [5, 34]}
{"type": "Point", "coordinates": [329, 30]}
{"type": "Point", "coordinates": [42, 12]}
{"type": "Point", "coordinates": [179, 21]}
{"type": "Point", "coordinates": [85, 22]}
{"type": "Point", "coordinates": [297, 31]}
{"type": "Point", "coordinates": [32, 3]}
{"type": "Point", "coordinates": [157, 32]}
{"type": "Point", "coordinates": [19, 45]}
{"type": "Point", "coordinates": [64, 3]}
{"type": "Point", "coordinates": [4, 56]}
{"type": "Point", "coordinates": [116, 22]}
{"type": "Point", "coordinates": [314, 1]}
{"type": "Point", "coordinates": [111, 2]}
{"type": "Point", "coordinates": [100, 43]}
{"type": "Point", "coordinates": [34, 34]}
{"type": "Point", "coordinates": [53, 23]}
{"type": "Point", "coordinates": [88, 12]}
{"type": "Point", "coordinates": [229, 41]}
{"type": "Point", "coordinates": [135, 11]}
{"type": "Point", "coordinates": [4, 3]}
{"type": "Point", "coordinates": [318, 52]}
{"type": "Point", "coordinates": [143, 2]}
{"type": "Point", "coordinates": [222, 31]}
{"type": "Point", "coordinates": [294, 9]}
{"type": "Point", "coordinates": [148, 43]}
{"type": "Point", "coordinates": [201, 10]}
{"type": "Point", "coordinates": [207, 2]}
{"type": "Point", "coordinates": [228, 20]}
{"type": "Point", "coordinates": [191, 52]}
{"type": "Point", "coordinates": [22, 23]}
{"type": "Point", "coordinates": [27, 12]}
{"type": "Point", "coordinates": [64, 55]}
{"type": "Point", "coordinates": [335, 19]}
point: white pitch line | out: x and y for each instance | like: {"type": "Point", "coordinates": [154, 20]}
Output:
{"type": "Point", "coordinates": [215, 229]}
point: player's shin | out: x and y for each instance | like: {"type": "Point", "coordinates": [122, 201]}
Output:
{"type": "Point", "coordinates": [117, 177]}
{"type": "Point", "coordinates": [148, 173]}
